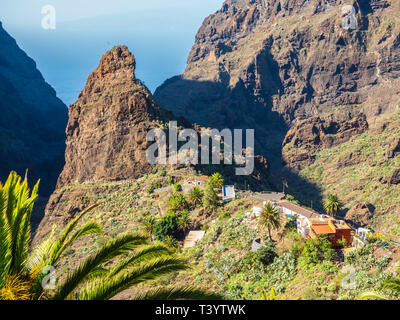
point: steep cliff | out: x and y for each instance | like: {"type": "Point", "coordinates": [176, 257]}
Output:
{"type": "Point", "coordinates": [33, 119]}
{"type": "Point", "coordinates": [266, 64]}
{"type": "Point", "coordinates": [107, 126]}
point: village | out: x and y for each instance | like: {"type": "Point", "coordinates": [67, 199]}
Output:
{"type": "Point", "coordinates": [309, 223]}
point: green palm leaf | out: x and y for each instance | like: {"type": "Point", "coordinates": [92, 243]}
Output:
{"type": "Point", "coordinates": [176, 294]}
{"type": "Point", "coordinates": [112, 249]}
{"type": "Point", "coordinates": [105, 289]}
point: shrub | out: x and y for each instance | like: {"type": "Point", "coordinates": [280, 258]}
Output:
{"type": "Point", "coordinates": [267, 253]}
{"type": "Point", "coordinates": [177, 187]}
{"type": "Point", "coordinates": [316, 251]}
{"type": "Point", "coordinates": [166, 226]}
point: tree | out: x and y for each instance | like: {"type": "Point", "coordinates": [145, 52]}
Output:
{"type": "Point", "coordinates": [267, 253]}
{"type": "Point", "coordinates": [166, 226]}
{"type": "Point", "coordinates": [217, 180]}
{"type": "Point", "coordinates": [270, 218]}
{"type": "Point", "coordinates": [177, 202]}
{"type": "Point", "coordinates": [195, 196]}
{"type": "Point", "coordinates": [316, 251]}
{"type": "Point", "coordinates": [332, 204]}
{"type": "Point", "coordinates": [22, 272]}
{"type": "Point", "coordinates": [148, 226]}
{"type": "Point", "coordinates": [184, 221]}
{"type": "Point", "coordinates": [210, 199]}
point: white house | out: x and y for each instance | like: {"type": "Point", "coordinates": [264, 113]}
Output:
{"type": "Point", "coordinates": [228, 193]}
{"type": "Point", "coordinates": [303, 215]}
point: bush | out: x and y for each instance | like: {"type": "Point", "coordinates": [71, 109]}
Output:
{"type": "Point", "coordinates": [177, 187]}
{"type": "Point", "coordinates": [267, 253]}
{"type": "Point", "coordinates": [166, 226]}
{"type": "Point", "coordinates": [316, 251]}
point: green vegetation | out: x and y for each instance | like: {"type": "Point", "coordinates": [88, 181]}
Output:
{"type": "Point", "coordinates": [333, 205]}
{"type": "Point", "coordinates": [358, 171]}
{"type": "Point", "coordinates": [270, 218]}
{"type": "Point", "coordinates": [167, 226]}
{"type": "Point", "coordinates": [195, 196]}
{"type": "Point", "coordinates": [210, 198]}
{"type": "Point", "coordinates": [98, 277]}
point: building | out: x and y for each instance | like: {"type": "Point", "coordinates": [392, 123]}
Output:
{"type": "Point", "coordinates": [334, 229]}
{"type": "Point", "coordinates": [198, 181]}
{"type": "Point", "coordinates": [228, 194]}
{"type": "Point", "coordinates": [303, 215]}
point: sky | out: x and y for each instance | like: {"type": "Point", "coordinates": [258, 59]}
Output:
{"type": "Point", "coordinates": [160, 33]}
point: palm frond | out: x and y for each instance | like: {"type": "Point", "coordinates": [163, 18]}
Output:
{"type": "Point", "coordinates": [5, 241]}
{"type": "Point", "coordinates": [111, 249]}
{"type": "Point", "coordinates": [392, 284]}
{"type": "Point", "coordinates": [147, 253]}
{"type": "Point", "coordinates": [59, 246]}
{"type": "Point", "coordinates": [177, 294]}
{"type": "Point", "coordinates": [370, 296]}
{"type": "Point", "coordinates": [105, 289]}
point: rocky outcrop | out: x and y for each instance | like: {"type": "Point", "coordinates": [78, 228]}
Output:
{"type": "Point", "coordinates": [394, 149]}
{"type": "Point", "coordinates": [361, 214]}
{"type": "Point", "coordinates": [33, 119]}
{"type": "Point", "coordinates": [395, 178]}
{"type": "Point", "coordinates": [305, 138]}
{"type": "Point", "coordinates": [265, 64]}
{"type": "Point", "coordinates": [108, 124]}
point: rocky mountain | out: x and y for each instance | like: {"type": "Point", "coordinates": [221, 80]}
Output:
{"type": "Point", "coordinates": [107, 126]}
{"type": "Point", "coordinates": [33, 119]}
{"type": "Point", "coordinates": [267, 64]}
{"type": "Point", "coordinates": [106, 140]}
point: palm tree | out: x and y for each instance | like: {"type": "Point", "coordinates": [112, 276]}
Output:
{"type": "Point", "coordinates": [217, 180]}
{"type": "Point", "coordinates": [210, 198]}
{"type": "Point", "coordinates": [270, 218]}
{"type": "Point", "coordinates": [195, 196]}
{"type": "Point", "coordinates": [148, 226]}
{"type": "Point", "coordinates": [332, 204]}
{"type": "Point", "coordinates": [184, 222]}
{"type": "Point", "coordinates": [21, 272]}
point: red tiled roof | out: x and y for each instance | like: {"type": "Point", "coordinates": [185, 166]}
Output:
{"type": "Point", "coordinates": [322, 229]}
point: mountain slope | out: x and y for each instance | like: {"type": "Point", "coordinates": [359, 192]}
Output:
{"type": "Point", "coordinates": [33, 119]}
{"type": "Point", "coordinates": [266, 64]}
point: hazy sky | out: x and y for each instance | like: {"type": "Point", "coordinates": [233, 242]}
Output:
{"type": "Point", "coordinates": [160, 33]}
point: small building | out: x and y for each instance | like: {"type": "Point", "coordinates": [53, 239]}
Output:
{"type": "Point", "coordinates": [198, 181]}
{"type": "Point", "coordinates": [336, 230]}
{"type": "Point", "coordinates": [303, 215]}
{"type": "Point", "coordinates": [228, 194]}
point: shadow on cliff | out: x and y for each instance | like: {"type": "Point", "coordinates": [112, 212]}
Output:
{"type": "Point", "coordinates": [215, 103]}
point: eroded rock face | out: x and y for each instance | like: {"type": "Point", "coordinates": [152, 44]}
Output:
{"type": "Point", "coordinates": [305, 138]}
{"type": "Point", "coordinates": [108, 124]}
{"type": "Point", "coordinates": [32, 121]}
{"type": "Point", "coordinates": [395, 178]}
{"type": "Point", "coordinates": [361, 214]}
{"type": "Point", "coordinates": [263, 64]}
